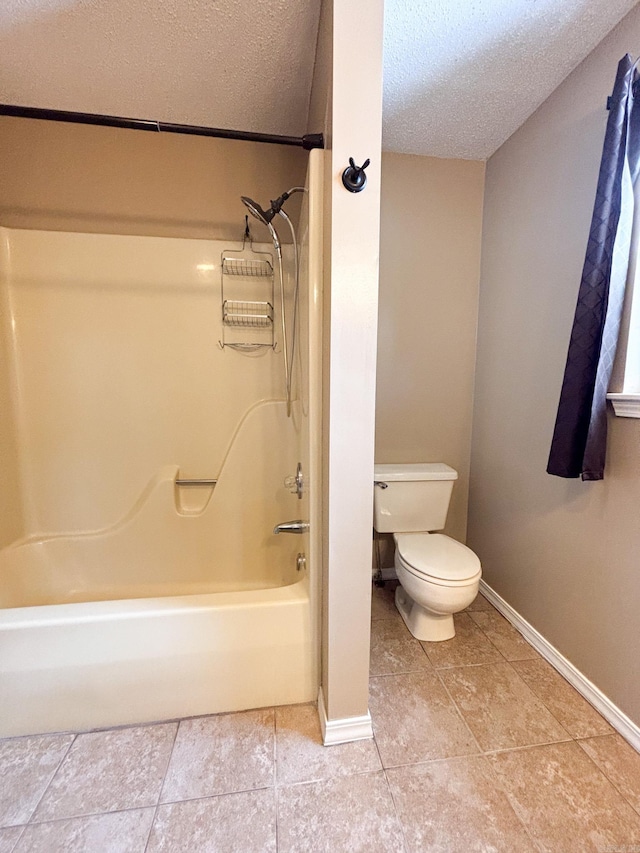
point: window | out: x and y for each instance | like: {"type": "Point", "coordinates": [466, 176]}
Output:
{"type": "Point", "coordinates": [625, 379]}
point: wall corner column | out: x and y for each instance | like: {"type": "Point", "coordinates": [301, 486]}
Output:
{"type": "Point", "coordinates": [349, 375]}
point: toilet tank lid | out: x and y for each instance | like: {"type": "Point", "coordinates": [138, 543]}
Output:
{"type": "Point", "coordinates": [414, 471]}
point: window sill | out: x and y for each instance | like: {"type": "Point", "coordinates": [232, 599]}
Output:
{"type": "Point", "coordinates": [625, 405]}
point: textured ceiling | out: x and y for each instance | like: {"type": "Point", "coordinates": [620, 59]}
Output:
{"type": "Point", "coordinates": [224, 63]}
{"type": "Point", "coordinates": [460, 75]}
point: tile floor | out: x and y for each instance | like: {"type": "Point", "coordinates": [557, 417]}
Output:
{"type": "Point", "coordinates": [479, 746]}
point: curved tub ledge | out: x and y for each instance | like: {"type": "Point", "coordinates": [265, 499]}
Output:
{"type": "Point", "coordinates": [165, 614]}
{"type": "Point", "coordinates": [158, 549]}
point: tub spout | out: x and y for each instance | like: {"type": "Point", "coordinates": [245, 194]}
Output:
{"type": "Point", "coordinates": [297, 526]}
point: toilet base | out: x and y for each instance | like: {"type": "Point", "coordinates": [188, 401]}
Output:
{"type": "Point", "coordinates": [424, 625]}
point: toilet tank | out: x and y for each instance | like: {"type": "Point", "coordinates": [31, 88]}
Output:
{"type": "Point", "coordinates": [416, 497]}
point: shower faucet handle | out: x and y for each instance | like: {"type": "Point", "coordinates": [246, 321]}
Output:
{"type": "Point", "coordinates": [295, 484]}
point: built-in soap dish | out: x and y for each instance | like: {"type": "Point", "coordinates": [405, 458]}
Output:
{"type": "Point", "coordinates": [192, 495]}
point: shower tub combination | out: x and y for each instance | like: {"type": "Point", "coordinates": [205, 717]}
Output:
{"type": "Point", "coordinates": [184, 602]}
{"type": "Point", "coordinates": [162, 615]}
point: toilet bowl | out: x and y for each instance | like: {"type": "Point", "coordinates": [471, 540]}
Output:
{"type": "Point", "coordinates": [438, 576]}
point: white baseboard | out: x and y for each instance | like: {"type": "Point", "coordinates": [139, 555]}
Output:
{"type": "Point", "coordinates": [344, 730]}
{"type": "Point", "coordinates": [612, 714]}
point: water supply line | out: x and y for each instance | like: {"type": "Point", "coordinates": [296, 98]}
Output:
{"type": "Point", "coordinates": [283, 316]}
{"type": "Point", "coordinates": [294, 325]}
{"type": "Point", "coordinates": [266, 217]}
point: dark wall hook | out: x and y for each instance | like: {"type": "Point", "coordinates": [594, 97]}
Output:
{"type": "Point", "coordinates": [353, 177]}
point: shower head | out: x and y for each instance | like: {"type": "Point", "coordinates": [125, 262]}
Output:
{"type": "Point", "coordinates": [265, 216]}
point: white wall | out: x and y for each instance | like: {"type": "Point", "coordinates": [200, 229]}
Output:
{"type": "Point", "coordinates": [351, 231]}
{"type": "Point", "coordinates": [562, 552]}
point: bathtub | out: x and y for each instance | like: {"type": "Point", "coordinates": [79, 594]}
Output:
{"type": "Point", "coordinates": [188, 605]}
{"type": "Point", "coordinates": [105, 663]}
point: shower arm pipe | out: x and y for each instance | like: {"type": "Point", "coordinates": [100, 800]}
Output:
{"type": "Point", "coordinates": [308, 141]}
{"type": "Point", "coordinates": [296, 190]}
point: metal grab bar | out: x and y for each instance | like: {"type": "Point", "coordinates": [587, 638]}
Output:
{"type": "Point", "coordinates": [190, 482]}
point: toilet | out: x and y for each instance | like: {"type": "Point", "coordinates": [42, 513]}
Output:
{"type": "Point", "coordinates": [438, 575]}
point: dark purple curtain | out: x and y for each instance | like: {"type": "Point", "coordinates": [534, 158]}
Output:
{"type": "Point", "coordinates": [579, 440]}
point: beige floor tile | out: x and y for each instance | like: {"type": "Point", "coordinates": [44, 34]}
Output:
{"type": "Point", "coordinates": [414, 719]}
{"type": "Point", "coordinates": [108, 771]}
{"type": "Point", "coordinates": [470, 646]}
{"type": "Point", "coordinates": [231, 823]}
{"type": "Point", "coordinates": [8, 838]}
{"type": "Point", "coordinates": [499, 708]}
{"type": "Point", "coordinates": [481, 603]}
{"type": "Point", "coordinates": [503, 635]}
{"type": "Point", "coordinates": [393, 649]}
{"type": "Point", "coordinates": [571, 710]}
{"type": "Point", "coordinates": [221, 755]}
{"type": "Point", "coordinates": [455, 805]}
{"type": "Point", "coordinates": [352, 814]}
{"type": "Point", "coordinates": [566, 803]}
{"type": "Point", "coordinates": [117, 832]}
{"type": "Point", "coordinates": [301, 757]}
{"type": "Point", "coordinates": [619, 762]}
{"type": "Point", "coordinates": [383, 601]}
{"type": "Point", "coordinates": [27, 765]}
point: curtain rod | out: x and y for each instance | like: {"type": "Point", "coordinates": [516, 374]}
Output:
{"type": "Point", "coordinates": [308, 141]}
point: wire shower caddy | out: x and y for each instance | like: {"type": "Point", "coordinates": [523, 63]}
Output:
{"type": "Point", "coordinates": [245, 274]}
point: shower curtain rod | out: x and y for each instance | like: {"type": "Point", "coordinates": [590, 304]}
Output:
{"type": "Point", "coordinates": [308, 141]}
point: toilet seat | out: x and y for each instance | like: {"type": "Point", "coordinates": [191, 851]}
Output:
{"type": "Point", "coordinates": [437, 558]}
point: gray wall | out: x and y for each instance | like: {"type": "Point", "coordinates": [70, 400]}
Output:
{"type": "Point", "coordinates": [564, 553]}
{"type": "Point", "coordinates": [429, 275]}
